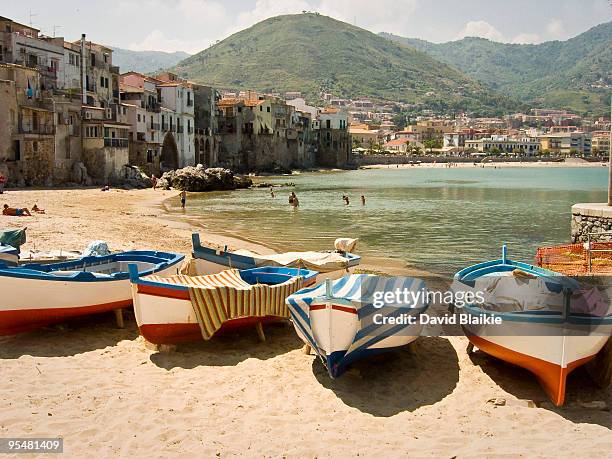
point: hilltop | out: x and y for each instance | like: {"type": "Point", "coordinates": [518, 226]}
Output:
{"type": "Point", "coordinates": [316, 54]}
{"type": "Point", "coordinates": [569, 74]}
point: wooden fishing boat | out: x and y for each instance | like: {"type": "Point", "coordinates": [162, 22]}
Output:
{"type": "Point", "coordinates": [540, 327]}
{"type": "Point", "coordinates": [184, 308]}
{"type": "Point", "coordinates": [339, 321]}
{"type": "Point", "coordinates": [9, 255]}
{"type": "Point", "coordinates": [35, 295]}
{"type": "Point", "coordinates": [329, 264]}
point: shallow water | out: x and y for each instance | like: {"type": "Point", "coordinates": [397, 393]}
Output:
{"type": "Point", "coordinates": [439, 220]}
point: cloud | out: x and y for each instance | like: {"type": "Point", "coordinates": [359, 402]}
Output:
{"type": "Point", "coordinates": [380, 16]}
{"type": "Point", "coordinates": [481, 29]}
{"type": "Point", "coordinates": [156, 40]}
{"type": "Point", "coordinates": [527, 38]}
{"type": "Point", "coordinates": [555, 28]}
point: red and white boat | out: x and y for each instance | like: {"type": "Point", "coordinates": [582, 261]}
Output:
{"type": "Point", "coordinates": [184, 308]}
{"type": "Point", "coordinates": [36, 295]}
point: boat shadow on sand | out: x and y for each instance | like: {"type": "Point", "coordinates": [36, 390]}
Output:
{"type": "Point", "coordinates": [582, 399]}
{"type": "Point", "coordinates": [397, 381]}
{"type": "Point", "coordinates": [230, 348]}
{"type": "Point", "coordinates": [79, 335]}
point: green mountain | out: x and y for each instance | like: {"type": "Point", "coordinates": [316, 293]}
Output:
{"type": "Point", "coordinates": [145, 61]}
{"type": "Point", "coordinates": [574, 74]}
{"type": "Point", "coordinates": [317, 54]}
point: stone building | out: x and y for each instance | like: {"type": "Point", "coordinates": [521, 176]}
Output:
{"type": "Point", "coordinates": [105, 145]}
{"type": "Point", "coordinates": [334, 140]}
{"type": "Point", "coordinates": [27, 128]}
{"type": "Point", "coordinates": [206, 142]}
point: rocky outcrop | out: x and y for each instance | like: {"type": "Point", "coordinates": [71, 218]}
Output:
{"type": "Point", "coordinates": [79, 174]}
{"type": "Point", "coordinates": [134, 177]}
{"type": "Point", "coordinates": [200, 179]}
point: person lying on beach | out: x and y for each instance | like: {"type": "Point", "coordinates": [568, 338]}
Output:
{"type": "Point", "coordinates": [37, 209]}
{"type": "Point", "coordinates": [15, 212]}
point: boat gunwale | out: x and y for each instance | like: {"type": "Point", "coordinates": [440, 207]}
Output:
{"type": "Point", "coordinates": [44, 272]}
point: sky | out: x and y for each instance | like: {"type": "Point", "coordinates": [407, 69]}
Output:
{"type": "Point", "coordinates": [193, 25]}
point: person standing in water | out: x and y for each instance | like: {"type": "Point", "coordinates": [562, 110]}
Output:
{"type": "Point", "coordinates": [362, 200]}
{"type": "Point", "coordinates": [183, 198]}
{"type": "Point", "coordinates": [293, 200]}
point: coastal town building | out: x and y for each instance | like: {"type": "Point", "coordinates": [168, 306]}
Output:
{"type": "Point", "coordinates": [578, 143]}
{"type": "Point", "coordinates": [141, 108]}
{"type": "Point", "coordinates": [207, 139]}
{"type": "Point", "coordinates": [502, 144]}
{"type": "Point", "coordinates": [600, 142]}
{"type": "Point", "coordinates": [363, 136]}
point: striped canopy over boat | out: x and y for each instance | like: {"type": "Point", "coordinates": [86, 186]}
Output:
{"type": "Point", "coordinates": [219, 298]}
{"type": "Point", "coordinates": [337, 318]}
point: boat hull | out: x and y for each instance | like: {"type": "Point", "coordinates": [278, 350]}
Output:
{"type": "Point", "coordinates": [334, 330]}
{"type": "Point", "coordinates": [551, 373]}
{"type": "Point", "coordinates": [34, 303]}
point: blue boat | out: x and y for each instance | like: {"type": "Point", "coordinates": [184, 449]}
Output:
{"type": "Point", "coordinates": [330, 264]}
{"type": "Point", "coordinates": [340, 321]}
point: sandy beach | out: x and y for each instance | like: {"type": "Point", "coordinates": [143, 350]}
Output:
{"type": "Point", "coordinates": [571, 162]}
{"type": "Point", "coordinates": [106, 393]}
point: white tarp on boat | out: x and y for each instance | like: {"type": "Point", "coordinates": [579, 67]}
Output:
{"type": "Point", "coordinates": [317, 261]}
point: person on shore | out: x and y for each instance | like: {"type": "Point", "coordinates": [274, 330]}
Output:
{"type": "Point", "coordinates": [183, 198]}
{"type": "Point", "coordinates": [362, 200]}
{"type": "Point", "coordinates": [16, 212]}
{"type": "Point", "coordinates": [37, 209]}
{"type": "Point", "coordinates": [2, 182]}
{"type": "Point", "coordinates": [153, 181]}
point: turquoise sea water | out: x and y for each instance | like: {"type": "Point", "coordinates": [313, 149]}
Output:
{"type": "Point", "coordinates": [438, 220]}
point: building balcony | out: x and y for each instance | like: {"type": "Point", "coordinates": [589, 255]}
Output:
{"type": "Point", "coordinates": [36, 130]}
{"type": "Point", "coordinates": [154, 126]}
{"type": "Point", "coordinates": [116, 143]}
{"type": "Point", "coordinates": [190, 131]}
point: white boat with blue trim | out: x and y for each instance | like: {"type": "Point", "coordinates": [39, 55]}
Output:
{"type": "Point", "coordinates": [330, 265]}
{"type": "Point", "coordinates": [36, 295]}
{"type": "Point", "coordinates": [545, 322]}
{"type": "Point", "coordinates": [341, 323]}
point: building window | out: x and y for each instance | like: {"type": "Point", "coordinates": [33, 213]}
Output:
{"type": "Point", "coordinates": [149, 156]}
{"type": "Point", "coordinates": [139, 117]}
{"type": "Point", "coordinates": [268, 109]}
{"type": "Point", "coordinates": [35, 146]}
